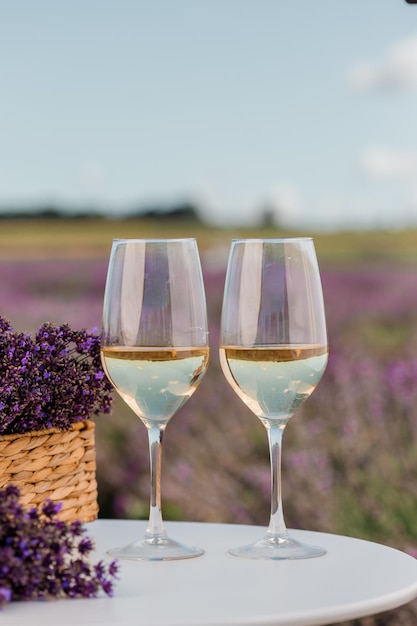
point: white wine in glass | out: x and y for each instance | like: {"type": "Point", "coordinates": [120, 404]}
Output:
{"type": "Point", "coordinates": [155, 352]}
{"type": "Point", "coordinates": [273, 352]}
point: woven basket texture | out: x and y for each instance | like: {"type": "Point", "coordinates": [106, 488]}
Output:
{"type": "Point", "coordinates": [54, 464]}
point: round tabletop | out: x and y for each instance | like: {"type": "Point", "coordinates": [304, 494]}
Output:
{"type": "Point", "coordinates": [355, 578]}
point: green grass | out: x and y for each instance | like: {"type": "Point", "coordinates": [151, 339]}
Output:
{"type": "Point", "coordinates": [92, 238]}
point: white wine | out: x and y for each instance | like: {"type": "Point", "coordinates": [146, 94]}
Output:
{"type": "Point", "coordinates": [274, 381]}
{"type": "Point", "coordinates": [155, 382]}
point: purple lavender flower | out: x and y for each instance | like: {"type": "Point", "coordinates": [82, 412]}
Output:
{"type": "Point", "coordinates": [5, 595]}
{"type": "Point", "coordinates": [51, 380]}
{"type": "Point", "coordinates": [37, 555]}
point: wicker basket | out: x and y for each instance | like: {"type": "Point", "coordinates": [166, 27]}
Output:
{"type": "Point", "coordinates": [54, 464]}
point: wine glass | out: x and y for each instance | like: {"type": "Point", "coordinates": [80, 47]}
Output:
{"type": "Point", "coordinates": [273, 352]}
{"type": "Point", "coordinates": [155, 353]}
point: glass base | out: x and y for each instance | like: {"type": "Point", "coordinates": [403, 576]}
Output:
{"type": "Point", "coordinates": [277, 547]}
{"type": "Point", "coordinates": [158, 548]}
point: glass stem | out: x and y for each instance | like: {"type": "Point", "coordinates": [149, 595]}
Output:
{"type": "Point", "coordinates": [276, 523]}
{"type": "Point", "coordinates": [155, 526]}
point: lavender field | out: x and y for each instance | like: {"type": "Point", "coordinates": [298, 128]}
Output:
{"type": "Point", "coordinates": [350, 453]}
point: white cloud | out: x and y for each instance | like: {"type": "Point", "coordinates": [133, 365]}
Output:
{"type": "Point", "coordinates": [285, 201]}
{"type": "Point", "coordinates": [387, 164]}
{"type": "Point", "coordinates": [91, 176]}
{"type": "Point", "coordinates": [397, 69]}
{"type": "Point", "coordinates": [413, 197]}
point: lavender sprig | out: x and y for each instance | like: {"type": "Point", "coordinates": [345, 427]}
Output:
{"type": "Point", "coordinates": [42, 556]}
{"type": "Point", "coordinates": [51, 380]}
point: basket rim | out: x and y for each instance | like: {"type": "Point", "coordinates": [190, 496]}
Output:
{"type": "Point", "coordinates": [80, 425]}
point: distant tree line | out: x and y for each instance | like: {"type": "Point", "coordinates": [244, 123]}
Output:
{"type": "Point", "coordinates": [184, 211]}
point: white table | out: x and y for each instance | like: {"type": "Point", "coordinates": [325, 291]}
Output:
{"type": "Point", "coordinates": [356, 578]}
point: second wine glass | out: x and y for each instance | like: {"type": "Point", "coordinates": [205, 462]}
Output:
{"type": "Point", "coordinates": [273, 352]}
{"type": "Point", "coordinates": [155, 352]}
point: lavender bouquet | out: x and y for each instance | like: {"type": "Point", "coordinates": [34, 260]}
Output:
{"type": "Point", "coordinates": [43, 557]}
{"type": "Point", "coordinates": [51, 380]}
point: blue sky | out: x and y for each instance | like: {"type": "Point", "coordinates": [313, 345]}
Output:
{"type": "Point", "coordinates": [307, 107]}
